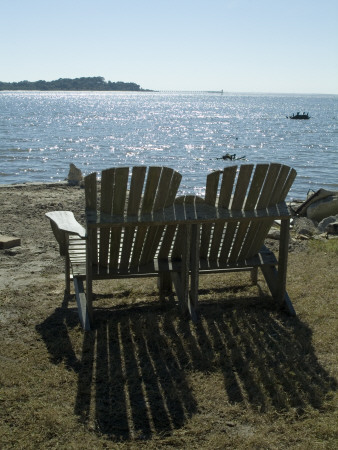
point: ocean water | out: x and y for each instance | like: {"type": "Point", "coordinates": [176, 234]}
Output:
{"type": "Point", "coordinates": [42, 132]}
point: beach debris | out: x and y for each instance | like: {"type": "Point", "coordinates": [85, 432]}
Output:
{"type": "Point", "coordinates": [74, 176]}
{"type": "Point", "coordinates": [9, 242]}
{"type": "Point", "coordinates": [319, 205]}
{"type": "Point", "coordinates": [231, 157]}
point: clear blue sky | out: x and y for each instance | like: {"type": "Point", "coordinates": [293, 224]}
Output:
{"type": "Point", "coordinates": [288, 46]}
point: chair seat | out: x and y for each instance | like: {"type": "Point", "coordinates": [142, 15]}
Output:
{"type": "Point", "coordinates": [264, 257]}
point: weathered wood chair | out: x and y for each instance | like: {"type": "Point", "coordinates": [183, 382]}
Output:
{"type": "Point", "coordinates": [98, 252]}
{"type": "Point", "coordinates": [238, 243]}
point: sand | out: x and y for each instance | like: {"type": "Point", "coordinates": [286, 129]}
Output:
{"type": "Point", "coordinates": [22, 212]}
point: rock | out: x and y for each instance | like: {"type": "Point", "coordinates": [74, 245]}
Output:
{"type": "Point", "coordinates": [13, 251]}
{"type": "Point", "coordinates": [9, 242]}
{"type": "Point", "coordinates": [332, 228]}
{"type": "Point", "coordinates": [304, 226]}
{"type": "Point", "coordinates": [322, 226]}
{"type": "Point", "coordinates": [274, 234]}
{"type": "Point", "coordinates": [323, 208]}
{"type": "Point", "coordinates": [74, 176]}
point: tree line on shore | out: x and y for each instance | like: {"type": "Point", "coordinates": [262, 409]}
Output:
{"type": "Point", "coordinates": [68, 84]}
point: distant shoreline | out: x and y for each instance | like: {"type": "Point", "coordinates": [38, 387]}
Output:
{"type": "Point", "coordinates": [75, 84]}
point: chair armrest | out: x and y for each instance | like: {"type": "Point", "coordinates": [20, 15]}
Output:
{"type": "Point", "coordinates": [66, 222]}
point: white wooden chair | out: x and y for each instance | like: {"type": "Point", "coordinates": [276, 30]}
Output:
{"type": "Point", "coordinates": [232, 245]}
{"type": "Point", "coordinates": [101, 252]}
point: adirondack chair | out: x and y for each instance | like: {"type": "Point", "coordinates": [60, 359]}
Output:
{"type": "Point", "coordinates": [239, 244]}
{"type": "Point", "coordinates": [101, 252]}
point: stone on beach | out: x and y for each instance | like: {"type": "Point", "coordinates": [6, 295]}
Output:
{"type": "Point", "coordinates": [9, 242]}
{"type": "Point", "coordinates": [74, 176]}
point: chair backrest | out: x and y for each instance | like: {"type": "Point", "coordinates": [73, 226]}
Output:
{"type": "Point", "coordinates": [132, 191]}
{"type": "Point", "coordinates": [243, 188]}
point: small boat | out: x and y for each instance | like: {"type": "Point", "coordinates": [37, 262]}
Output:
{"type": "Point", "coordinates": [299, 116]}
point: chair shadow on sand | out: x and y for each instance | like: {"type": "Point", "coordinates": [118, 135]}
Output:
{"type": "Point", "coordinates": [136, 369]}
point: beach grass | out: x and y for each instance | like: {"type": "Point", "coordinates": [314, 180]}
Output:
{"type": "Point", "coordinates": [246, 376]}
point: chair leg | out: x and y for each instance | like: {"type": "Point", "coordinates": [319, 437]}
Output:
{"type": "Point", "coordinates": [272, 279]}
{"type": "Point", "coordinates": [181, 279]}
{"type": "Point", "coordinates": [254, 275]}
{"type": "Point", "coordinates": [67, 275]}
{"type": "Point", "coordinates": [89, 277]}
{"type": "Point", "coordinates": [81, 304]}
{"type": "Point", "coordinates": [164, 284]}
{"type": "Point", "coordinates": [194, 257]}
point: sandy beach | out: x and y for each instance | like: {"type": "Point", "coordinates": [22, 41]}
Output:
{"type": "Point", "coordinates": [22, 211]}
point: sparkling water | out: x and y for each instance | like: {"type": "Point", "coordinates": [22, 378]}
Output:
{"type": "Point", "coordinates": [42, 132]}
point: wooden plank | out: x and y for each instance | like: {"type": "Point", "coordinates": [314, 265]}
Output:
{"type": "Point", "coordinates": [283, 259]}
{"type": "Point", "coordinates": [133, 208]}
{"type": "Point", "coordinates": [271, 276]}
{"type": "Point", "coordinates": [288, 183]}
{"type": "Point", "coordinates": [91, 205]}
{"type": "Point", "coordinates": [118, 208]}
{"type": "Point", "coordinates": [194, 257]}
{"type": "Point", "coordinates": [89, 270]}
{"type": "Point", "coordinates": [149, 196]}
{"type": "Point", "coordinates": [259, 230]}
{"type": "Point", "coordinates": [225, 195]}
{"type": "Point", "coordinates": [284, 181]}
{"type": "Point", "coordinates": [210, 198]}
{"type": "Point", "coordinates": [107, 185]}
{"type": "Point", "coordinates": [149, 199]}
{"type": "Point", "coordinates": [65, 221]}
{"type": "Point", "coordinates": [227, 184]}
{"type": "Point", "coordinates": [173, 188]}
{"type": "Point", "coordinates": [241, 187]}
{"type": "Point", "coordinates": [91, 191]}
{"type": "Point", "coordinates": [81, 304]}
{"type": "Point", "coordinates": [9, 242]}
{"type": "Point", "coordinates": [167, 191]}
{"type": "Point", "coordinates": [167, 242]}
{"type": "Point", "coordinates": [250, 204]}
{"type": "Point", "coordinates": [155, 233]}
{"type": "Point", "coordinates": [136, 189]}
{"type": "Point", "coordinates": [181, 280]}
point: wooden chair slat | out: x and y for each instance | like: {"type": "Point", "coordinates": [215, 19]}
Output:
{"type": "Point", "coordinates": [134, 204]}
{"type": "Point", "coordinates": [225, 195]}
{"type": "Point", "coordinates": [250, 203]}
{"type": "Point", "coordinates": [237, 202]}
{"type": "Point", "coordinates": [120, 185]}
{"type": "Point", "coordinates": [228, 180]}
{"type": "Point", "coordinates": [107, 186]}
{"type": "Point", "coordinates": [136, 189]}
{"type": "Point", "coordinates": [150, 192]}
{"type": "Point", "coordinates": [154, 233]}
{"type": "Point", "coordinates": [242, 184]}
{"type": "Point", "coordinates": [210, 198]}
{"type": "Point", "coordinates": [91, 204]}
{"type": "Point", "coordinates": [120, 190]}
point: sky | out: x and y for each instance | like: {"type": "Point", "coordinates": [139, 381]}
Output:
{"type": "Point", "coordinates": [276, 46]}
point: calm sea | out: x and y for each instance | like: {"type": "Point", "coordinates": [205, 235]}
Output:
{"type": "Point", "coordinates": [41, 133]}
